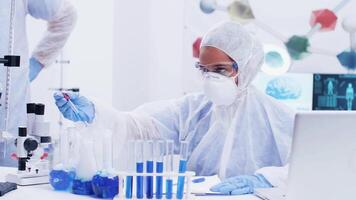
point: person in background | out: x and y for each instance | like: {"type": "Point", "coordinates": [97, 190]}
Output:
{"type": "Point", "coordinates": [61, 18]}
{"type": "Point", "coordinates": [233, 129]}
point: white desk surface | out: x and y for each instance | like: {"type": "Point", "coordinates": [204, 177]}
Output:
{"type": "Point", "coordinates": [44, 192]}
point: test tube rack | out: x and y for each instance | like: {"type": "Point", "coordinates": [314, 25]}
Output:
{"type": "Point", "coordinates": [171, 175]}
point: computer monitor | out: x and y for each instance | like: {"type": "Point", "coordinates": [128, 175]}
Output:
{"type": "Point", "coordinates": [334, 92]}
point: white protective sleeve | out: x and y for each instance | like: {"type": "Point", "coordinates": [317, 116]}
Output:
{"type": "Point", "coordinates": [58, 31]}
{"type": "Point", "coordinates": [125, 126]}
{"type": "Point", "coordinates": [276, 176]}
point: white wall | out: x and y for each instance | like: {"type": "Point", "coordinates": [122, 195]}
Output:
{"type": "Point", "coordinates": [148, 51]}
{"type": "Point", "coordinates": [90, 51]}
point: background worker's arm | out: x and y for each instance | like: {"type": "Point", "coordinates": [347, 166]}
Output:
{"type": "Point", "coordinates": [61, 17]}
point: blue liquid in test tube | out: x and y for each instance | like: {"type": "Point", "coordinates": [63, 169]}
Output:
{"type": "Point", "coordinates": [130, 169]}
{"type": "Point", "coordinates": [139, 168]}
{"type": "Point", "coordinates": [169, 168]}
{"type": "Point", "coordinates": [128, 192]}
{"type": "Point", "coordinates": [159, 154]}
{"type": "Point", "coordinates": [149, 168]}
{"type": "Point", "coordinates": [182, 168]}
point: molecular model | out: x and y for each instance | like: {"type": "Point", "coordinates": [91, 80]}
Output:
{"type": "Point", "coordinates": [297, 46]}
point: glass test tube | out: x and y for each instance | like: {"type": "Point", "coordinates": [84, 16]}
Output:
{"type": "Point", "coordinates": [130, 169]}
{"type": "Point", "coordinates": [182, 168]}
{"type": "Point", "coordinates": [139, 168]}
{"type": "Point", "coordinates": [149, 168]}
{"type": "Point", "coordinates": [169, 168]}
{"type": "Point", "coordinates": [159, 154]}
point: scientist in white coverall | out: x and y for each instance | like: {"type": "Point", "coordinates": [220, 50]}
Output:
{"type": "Point", "coordinates": [60, 16]}
{"type": "Point", "coordinates": [233, 129]}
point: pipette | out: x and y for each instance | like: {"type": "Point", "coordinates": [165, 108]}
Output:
{"type": "Point", "coordinates": [74, 108]}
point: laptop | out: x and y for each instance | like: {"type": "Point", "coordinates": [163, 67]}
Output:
{"type": "Point", "coordinates": [323, 159]}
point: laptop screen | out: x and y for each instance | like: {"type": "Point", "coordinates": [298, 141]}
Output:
{"type": "Point", "coordinates": [334, 91]}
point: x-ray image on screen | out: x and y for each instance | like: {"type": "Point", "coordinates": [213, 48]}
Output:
{"type": "Point", "coordinates": [334, 92]}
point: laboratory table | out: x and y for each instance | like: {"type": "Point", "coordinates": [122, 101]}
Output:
{"type": "Point", "coordinates": [45, 192]}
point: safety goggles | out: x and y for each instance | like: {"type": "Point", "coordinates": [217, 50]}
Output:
{"type": "Point", "coordinates": [223, 68]}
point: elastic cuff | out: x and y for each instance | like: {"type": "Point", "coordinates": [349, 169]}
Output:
{"type": "Point", "coordinates": [263, 180]}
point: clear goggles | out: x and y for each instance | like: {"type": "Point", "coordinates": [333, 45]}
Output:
{"type": "Point", "coordinates": [224, 68]}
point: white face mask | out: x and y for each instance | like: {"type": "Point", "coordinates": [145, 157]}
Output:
{"type": "Point", "coordinates": [221, 90]}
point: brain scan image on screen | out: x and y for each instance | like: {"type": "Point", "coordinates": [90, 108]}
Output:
{"type": "Point", "coordinates": [284, 88]}
{"type": "Point", "coordinates": [294, 90]}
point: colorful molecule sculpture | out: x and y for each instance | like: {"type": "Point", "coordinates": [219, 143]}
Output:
{"type": "Point", "coordinates": [347, 58]}
{"type": "Point", "coordinates": [298, 46]}
{"type": "Point", "coordinates": [277, 60]}
{"type": "Point", "coordinates": [196, 47]}
{"type": "Point", "coordinates": [239, 10]}
{"type": "Point", "coordinates": [208, 6]}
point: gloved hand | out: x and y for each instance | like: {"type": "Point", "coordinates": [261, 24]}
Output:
{"type": "Point", "coordinates": [238, 185]}
{"type": "Point", "coordinates": [84, 106]}
{"type": "Point", "coordinates": [35, 68]}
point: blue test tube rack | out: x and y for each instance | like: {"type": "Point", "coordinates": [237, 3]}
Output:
{"type": "Point", "coordinates": [188, 176]}
{"type": "Point", "coordinates": [159, 154]}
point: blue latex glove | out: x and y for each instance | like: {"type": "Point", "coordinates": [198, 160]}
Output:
{"type": "Point", "coordinates": [35, 68]}
{"type": "Point", "coordinates": [238, 185]}
{"type": "Point", "coordinates": [84, 106]}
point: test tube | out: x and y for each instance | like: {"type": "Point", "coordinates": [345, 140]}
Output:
{"type": "Point", "coordinates": [130, 169]}
{"type": "Point", "coordinates": [159, 154]}
{"type": "Point", "coordinates": [139, 168]}
{"type": "Point", "coordinates": [149, 168]}
{"type": "Point", "coordinates": [182, 168]}
{"type": "Point", "coordinates": [169, 168]}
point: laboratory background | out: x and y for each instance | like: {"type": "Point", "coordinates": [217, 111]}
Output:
{"type": "Point", "coordinates": [132, 47]}
{"type": "Point", "coordinates": [126, 53]}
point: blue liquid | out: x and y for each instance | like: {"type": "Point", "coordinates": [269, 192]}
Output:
{"type": "Point", "coordinates": [105, 187]}
{"type": "Point", "coordinates": [82, 187]}
{"type": "Point", "coordinates": [169, 188]}
{"type": "Point", "coordinates": [61, 179]}
{"type": "Point", "coordinates": [198, 180]}
{"type": "Point", "coordinates": [139, 192]}
{"type": "Point", "coordinates": [159, 180]}
{"type": "Point", "coordinates": [180, 184]}
{"type": "Point", "coordinates": [149, 180]}
{"type": "Point", "coordinates": [128, 187]}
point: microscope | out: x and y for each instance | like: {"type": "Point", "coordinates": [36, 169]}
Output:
{"type": "Point", "coordinates": [33, 146]}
